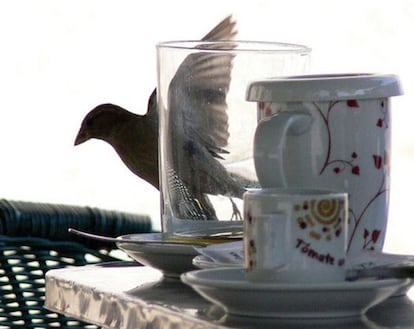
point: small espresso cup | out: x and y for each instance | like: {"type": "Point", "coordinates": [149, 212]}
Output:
{"type": "Point", "coordinates": [295, 235]}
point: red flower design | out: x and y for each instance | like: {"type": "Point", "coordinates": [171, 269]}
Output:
{"type": "Point", "coordinates": [261, 105]}
{"type": "Point", "coordinates": [355, 170]}
{"type": "Point", "coordinates": [380, 123]}
{"type": "Point", "coordinates": [375, 235]}
{"type": "Point", "coordinates": [377, 161]}
{"type": "Point", "coordinates": [370, 243]}
{"type": "Point", "coordinates": [352, 103]}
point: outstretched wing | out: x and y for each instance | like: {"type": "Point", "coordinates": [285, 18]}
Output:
{"type": "Point", "coordinates": [197, 94]}
{"type": "Point", "coordinates": [198, 121]}
{"type": "Point", "coordinates": [225, 30]}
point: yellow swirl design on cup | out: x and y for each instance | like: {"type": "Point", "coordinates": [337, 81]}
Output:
{"type": "Point", "coordinates": [325, 211]}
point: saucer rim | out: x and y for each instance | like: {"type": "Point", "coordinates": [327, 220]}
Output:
{"type": "Point", "coordinates": [154, 243]}
{"type": "Point", "coordinates": [342, 299]}
{"type": "Point", "coordinates": [198, 277]}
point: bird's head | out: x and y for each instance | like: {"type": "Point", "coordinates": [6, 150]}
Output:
{"type": "Point", "coordinates": [100, 122]}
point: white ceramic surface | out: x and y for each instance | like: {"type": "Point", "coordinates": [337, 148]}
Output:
{"type": "Point", "coordinates": [330, 131]}
{"type": "Point", "coordinates": [204, 262]}
{"type": "Point", "coordinates": [296, 235]}
{"type": "Point", "coordinates": [229, 288]}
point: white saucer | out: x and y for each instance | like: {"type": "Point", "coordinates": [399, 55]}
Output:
{"type": "Point", "coordinates": [171, 259]}
{"type": "Point", "coordinates": [228, 288]}
{"type": "Point", "coordinates": [173, 255]}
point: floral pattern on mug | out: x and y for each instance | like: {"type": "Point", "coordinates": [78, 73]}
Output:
{"type": "Point", "coordinates": [322, 218]}
{"type": "Point", "coordinates": [250, 245]}
{"type": "Point", "coordinates": [380, 163]}
{"type": "Point", "coordinates": [359, 224]}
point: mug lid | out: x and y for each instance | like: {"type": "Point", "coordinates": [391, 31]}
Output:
{"type": "Point", "coordinates": [324, 87]}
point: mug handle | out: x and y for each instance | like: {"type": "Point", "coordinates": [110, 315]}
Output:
{"type": "Point", "coordinates": [269, 143]}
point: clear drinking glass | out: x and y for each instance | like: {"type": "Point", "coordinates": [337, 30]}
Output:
{"type": "Point", "coordinates": [207, 128]}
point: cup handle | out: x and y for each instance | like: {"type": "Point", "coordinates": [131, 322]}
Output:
{"type": "Point", "coordinates": [270, 141]}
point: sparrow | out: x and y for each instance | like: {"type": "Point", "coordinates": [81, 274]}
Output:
{"type": "Point", "coordinates": [197, 127]}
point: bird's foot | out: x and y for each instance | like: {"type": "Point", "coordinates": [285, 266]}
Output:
{"type": "Point", "coordinates": [236, 215]}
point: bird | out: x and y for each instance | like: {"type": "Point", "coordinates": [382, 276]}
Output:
{"type": "Point", "coordinates": [198, 129]}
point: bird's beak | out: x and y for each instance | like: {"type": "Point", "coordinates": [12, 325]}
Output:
{"type": "Point", "coordinates": [81, 137]}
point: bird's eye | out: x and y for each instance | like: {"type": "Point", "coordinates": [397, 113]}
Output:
{"type": "Point", "coordinates": [89, 123]}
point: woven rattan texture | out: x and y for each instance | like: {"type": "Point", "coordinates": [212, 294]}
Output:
{"type": "Point", "coordinates": [34, 238]}
{"type": "Point", "coordinates": [24, 262]}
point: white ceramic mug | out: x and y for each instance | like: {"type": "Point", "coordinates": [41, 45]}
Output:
{"type": "Point", "coordinates": [330, 131]}
{"type": "Point", "coordinates": [295, 235]}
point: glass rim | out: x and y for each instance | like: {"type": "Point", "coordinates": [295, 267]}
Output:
{"type": "Point", "coordinates": [241, 46]}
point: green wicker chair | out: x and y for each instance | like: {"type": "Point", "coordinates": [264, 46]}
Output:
{"type": "Point", "coordinates": [34, 239]}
